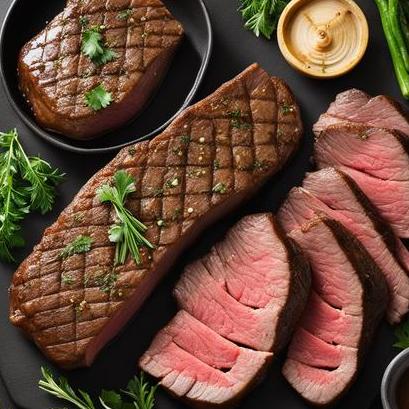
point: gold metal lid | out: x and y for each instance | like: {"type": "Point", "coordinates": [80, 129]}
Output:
{"type": "Point", "coordinates": [323, 38]}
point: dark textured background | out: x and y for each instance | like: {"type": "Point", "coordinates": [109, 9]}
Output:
{"type": "Point", "coordinates": [234, 49]}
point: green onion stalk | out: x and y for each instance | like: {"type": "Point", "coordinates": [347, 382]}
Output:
{"type": "Point", "coordinates": [395, 16]}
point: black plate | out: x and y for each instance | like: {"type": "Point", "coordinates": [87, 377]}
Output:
{"type": "Point", "coordinates": [234, 50]}
{"type": "Point", "coordinates": [176, 92]}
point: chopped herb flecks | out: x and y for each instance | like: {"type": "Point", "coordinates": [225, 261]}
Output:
{"type": "Point", "coordinates": [81, 244]}
{"type": "Point", "coordinates": [220, 188]}
{"type": "Point", "coordinates": [124, 14]}
{"type": "Point", "coordinates": [237, 121]}
{"type": "Point", "coordinates": [287, 109]}
{"type": "Point", "coordinates": [67, 279]}
{"type": "Point", "coordinates": [185, 139]}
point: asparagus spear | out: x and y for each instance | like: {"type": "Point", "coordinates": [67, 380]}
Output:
{"type": "Point", "coordinates": [402, 74]}
{"type": "Point", "coordinates": [396, 30]}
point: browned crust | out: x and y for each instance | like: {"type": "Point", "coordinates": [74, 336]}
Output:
{"type": "Point", "coordinates": [254, 76]}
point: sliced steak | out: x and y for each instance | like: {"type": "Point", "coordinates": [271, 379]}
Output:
{"type": "Point", "coordinates": [55, 75]}
{"type": "Point", "coordinates": [333, 193]}
{"type": "Point", "coordinates": [250, 291]}
{"type": "Point", "coordinates": [219, 152]}
{"type": "Point", "coordinates": [348, 300]}
{"type": "Point", "coordinates": [356, 106]}
{"type": "Point", "coordinates": [196, 364]}
{"type": "Point", "coordinates": [378, 161]}
{"type": "Point", "coordinates": [238, 289]}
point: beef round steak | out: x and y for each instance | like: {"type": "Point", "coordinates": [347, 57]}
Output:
{"type": "Point", "coordinates": [333, 193]}
{"type": "Point", "coordinates": [348, 300]}
{"type": "Point", "coordinates": [378, 161]}
{"type": "Point", "coordinates": [245, 296]}
{"type": "Point", "coordinates": [214, 156]}
{"type": "Point", "coordinates": [55, 74]}
{"type": "Point", "coordinates": [357, 106]}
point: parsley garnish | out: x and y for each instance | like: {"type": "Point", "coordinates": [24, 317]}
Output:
{"type": "Point", "coordinates": [94, 47]}
{"type": "Point", "coordinates": [98, 98]}
{"type": "Point", "coordinates": [261, 16]}
{"type": "Point", "coordinates": [124, 14]}
{"type": "Point", "coordinates": [140, 394]}
{"type": "Point", "coordinates": [80, 244]}
{"type": "Point", "coordinates": [26, 183]}
{"type": "Point", "coordinates": [128, 233]}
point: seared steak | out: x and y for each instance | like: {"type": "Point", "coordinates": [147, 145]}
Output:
{"type": "Point", "coordinates": [55, 75]}
{"type": "Point", "coordinates": [348, 300]}
{"type": "Point", "coordinates": [356, 106]}
{"type": "Point", "coordinates": [237, 288]}
{"type": "Point", "coordinates": [250, 289]}
{"type": "Point", "coordinates": [333, 193]}
{"type": "Point", "coordinates": [197, 364]}
{"type": "Point", "coordinates": [377, 160]}
{"type": "Point", "coordinates": [219, 152]}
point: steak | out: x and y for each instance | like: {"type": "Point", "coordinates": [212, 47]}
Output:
{"type": "Point", "coordinates": [55, 74]}
{"type": "Point", "coordinates": [347, 303]}
{"type": "Point", "coordinates": [197, 364]}
{"type": "Point", "coordinates": [237, 289]}
{"type": "Point", "coordinates": [378, 161]}
{"type": "Point", "coordinates": [248, 292]}
{"type": "Point", "coordinates": [220, 151]}
{"type": "Point", "coordinates": [356, 106]}
{"type": "Point", "coordinates": [332, 193]}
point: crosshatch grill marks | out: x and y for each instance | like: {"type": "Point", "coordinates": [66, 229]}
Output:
{"type": "Point", "coordinates": [55, 75]}
{"type": "Point", "coordinates": [173, 211]}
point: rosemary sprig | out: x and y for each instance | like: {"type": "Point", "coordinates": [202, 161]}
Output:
{"type": "Point", "coordinates": [128, 232]}
{"type": "Point", "coordinates": [26, 183]}
{"type": "Point", "coordinates": [141, 393]}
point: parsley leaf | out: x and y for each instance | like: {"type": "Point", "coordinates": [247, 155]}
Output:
{"type": "Point", "coordinates": [98, 98]}
{"type": "Point", "coordinates": [128, 233]}
{"type": "Point", "coordinates": [94, 47]}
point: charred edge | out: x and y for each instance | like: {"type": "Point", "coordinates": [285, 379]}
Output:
{"type": "Point", "coordinates": [300, 284]}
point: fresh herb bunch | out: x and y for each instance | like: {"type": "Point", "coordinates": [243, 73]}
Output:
{"type": "Point", "coordinates": [128, 233]}
{"type": "Point", "coordinates": [26, 183]}
{"type": "Point", "coordinates": [138, 390]}
{"type": "Point", "coordinates": [395, 21]}
{"type": "Point", "coordinates": [94, 47]}
{"type": "Point", "coordinates": [261, 16]}
{"type": "Point", "coordinates": [98, 98]}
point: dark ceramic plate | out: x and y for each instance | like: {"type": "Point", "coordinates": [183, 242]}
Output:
{"type": "Point", "coordinates": [175, 94]}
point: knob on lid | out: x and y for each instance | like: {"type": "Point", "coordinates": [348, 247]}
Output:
{"type": "Point", "coordinates": [323, 38]}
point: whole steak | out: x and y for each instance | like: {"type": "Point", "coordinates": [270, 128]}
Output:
{"type": "Point", "coordinates": [55, 75]}
{"type": "Point", "coordinates": [212, 157]}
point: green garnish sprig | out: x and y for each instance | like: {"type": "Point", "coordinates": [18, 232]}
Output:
{"type": "Point", "coordinates": [80, 244]}
{"type": "Point", "coordinates": [261, 16]}
{"type": "Point", "coordinates": [139, 391]}
{"type": "Point", "coordinates": [94, 47]}
{"type": "Point", "coordinates": [128, 233]}
{"type": "Point", "coordinates": [98, 98]}
{"type": "Point", "coordinates": [402, 336]}
{"type": "Point", "coordinates": [27, 184]}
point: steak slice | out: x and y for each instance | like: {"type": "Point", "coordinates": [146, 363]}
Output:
{"type": "Point", "coordinates": [196, 364]}
{"type": "Point", "coordinates": [333, 193]}
{"type": "Point", "coordinates": [348, 301]}
{"type": "Point", "coordinates": [377, 160]}
{"type": "Point", "coordinates": [219, 152]}
{"type": "Point", "coordinates": [249, 285]}
{"type": "Point", "coordinates": [356, 106]}
{"type": "Point", "coordinates": [249, 291]}
{"type": "Point", "coordinates": [55, 75]}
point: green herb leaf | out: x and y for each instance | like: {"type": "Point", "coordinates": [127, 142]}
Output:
{"type": "Point", "coordinates": [261, 16]}
{"type": "Point", "coordinates": [141, 392]}
{"type": "Point", "coordinates": [81, 244]}
{"type": "Point", "coordinates": [111, 400]}
{"type": "Point", "coordinates": [402, 335]}
{"type": "Point", "coordinates": [94, 47]}
{"type": "Point", "coordinates": [98, 98]}
{"type": "Point", "coordinates": [128, 233]}
{"type": "Point", "coordinates": [26, 183]}
{"type": "Point", "coordinates": [62, 390]}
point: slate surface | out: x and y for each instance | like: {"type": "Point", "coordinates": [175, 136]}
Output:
{"type": "Point", "coordinates": [234, 49]}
